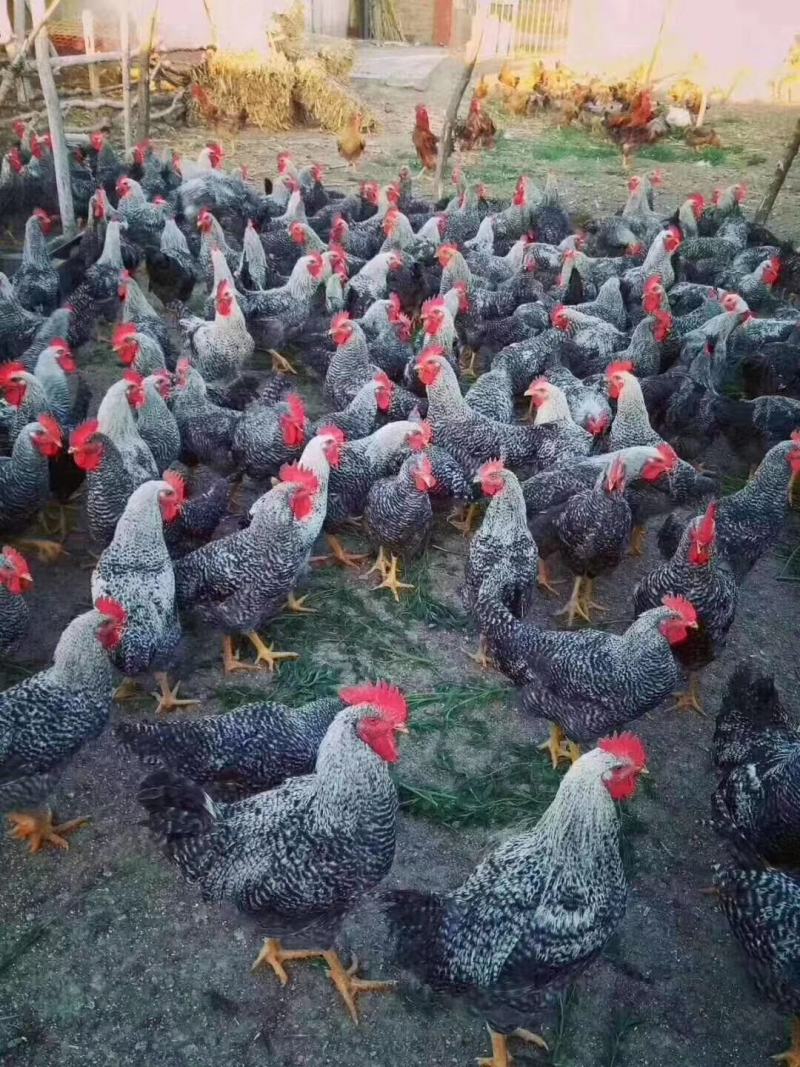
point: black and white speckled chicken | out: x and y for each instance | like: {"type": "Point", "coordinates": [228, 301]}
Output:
{"type": "Point", "coordinates": [502, 535]}
{"type": "Point", "coordinates": [137, 351]}
{"type": "Point", "coordinates": [36, 279]}
{"type": "Point", "coordinates": [137, 308]}
{"type": "Point", "coordinates": [212, 237]}
{"type": "Point", "coordinates": [536, 911]}
{"type": "Point", "coordinates": [222, 347]}
{"type": "Point", "coordinates": [241, 581]}
{"type": "Point", "coordinates": [109, 482]}
{"type": "Point", "coordinates": [171, 268]}
{"type": "Point", "coordinates": [116, 419]}
{"type": "Point", "coordinates": [695, 572]}
{"type": "Point", "coordinates": [586, 682]}
{"type": "Point", "coordinates": [757, 755]}
{"type": "Point", "coordinates": [269, 435]}
{"type": "Point", "coordinates": [254, 747]}
{"type": "Point", "coordinates": [145, 220]}
{"type": "Point", "coordinates": [23, 400]}
{"type": "Point", "coordinates": [279, 315]}
{"type": "Point", "coordinates": [207, 430]}
{"type": "Point", "coordinates": [25, 474]}
{"type": "Point", "coordinates": [749, 521]}
{"type": "Point", "coordinates": [592, 530]}
{"type": "Point", "coordinates": [631, 425]}
{"type": "Point", "coordinates": [762, 907]}
{"type": "Point", "coordinates": [136, 571]}
{"type": "Point", "coordinates": [373, 281]}
{"type": "Point", "coordinates": [398, 518]}
{"type": "Point", "coordinates": [155, 422]}
{"type": "Point", "coordinates": [559, 439]}
{"type": "Point", "coordinates": [47, 718]}
{"type": "Point", "coordinates": [15, 580]}
{"type": "Point", "coordinates": [358, 418]}
{"type": "Point", "coordinates": [17, 325]}
{"type": "Point", "coordinates": [247, 853]}
{"type": "Point", "coordinates": [492, 395]}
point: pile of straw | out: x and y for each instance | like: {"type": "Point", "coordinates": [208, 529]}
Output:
{"type": "Point", "coordinates": [262, 86]}
{"type": "Point", "coordinates": [322, 98]}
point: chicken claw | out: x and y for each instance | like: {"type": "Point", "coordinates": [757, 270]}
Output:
{"type": "Point", "coordinates": [560, 747]}
{"type": "Point", "coordinates": [391, 581]}
{"type": "Point", "coordinates": [168, 697]}
{"type": "Point", "coordinates": [230, 658]}
{"type": "Point", "coordinates": [267, 654]}
{"type": "Point", "coordinates": [690, 700]}
{"type": "Point", "coordinates": [339, 554]}
{"type": "Point", "coordinates": [501, 1057]}
{"type": "Point", "coordinates": [464, 524]}
{"type": "Point", "coordinates": [544, 581]}
{"type": "Point", "coordinates": [297, 604]}
{"type": "Point", "coordinates": [792, 1055]}
{"type": "Point", "coordinates": [349, 985]}
{"type": "Point", "coordinates": [37, 829]}
{"type": "Point", "coordinates": [481, 657]}
{"type": "Point", "coordinates": [46, 551]}
{"type": "Point", "coordinates": [273, 955]}
{"type": "Point", "coordinates": [281, 363]}
{"type": "Point", "coordinates": [575, 605]}
{"type": "Point", "coordinates": [381, 565]}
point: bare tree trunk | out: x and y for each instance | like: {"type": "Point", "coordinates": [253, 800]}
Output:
{"type": "Point", "coordinates": [778, 178]}
{"type": "Point", "coordinates": [143, 117]}
{"type": "Point", "coordinates": [54, 121]}
{"type": "Point", "coordinates": [18, 62]}
{"type": "Point", "coordinates": [446, 137]}
{"type": "Point", "coordinates": [23, 85]}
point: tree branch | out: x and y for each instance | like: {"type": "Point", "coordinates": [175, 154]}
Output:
{"type": "Point", "coordinates": [17, 63]}
{"type": "Point", "coordinates": [779, 177]}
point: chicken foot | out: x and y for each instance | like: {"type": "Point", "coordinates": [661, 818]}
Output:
{"type": "Point", "coordinates": [45, 551]}
{"type": "Point", "coordinates": [297, 604]}
{"type": "Point", "coordinates": [501, 1057]}
{"type": "Point", "coordinates": [543, 579]}
{"type": "Point", "coordinates": [54, 519]}
{"type": "Point", "coordinates": [575, 605]}
{"type": "Point", "coordinates": [381, 565]}
{"type": "Point", "coordinates": [391, 581]}
{"type": "Point", "coordinates": [481, 657]}
{"type": "Point", "coordinates": [168, 696]}
{"type": "Point", "coordinates": [560, 747]}
{"type": "Point", "coordinates": [792, 1055]}
{"type": "Point", "coordinates": [37, 829]}
{"type": "Point", "coordinates": [346, 981]}
{"type": "Point", "coordinates": [690, 699]}
{"type": "Point", "coordinates": [586, 600]}
{"type": "Point", "coordinates": [464, 522]}
{"type": "Point", "coordinates": [638, 541]}
{"type": "Point", "coordinates": [281, 363]}
{"type": "Point", "coordinates": [339, 554]}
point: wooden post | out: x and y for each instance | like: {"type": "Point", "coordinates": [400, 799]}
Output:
{"type": "Point", "coordinates": [23, 85]}
{"type": "Point", "coordinates": [701, 114]}
{"type": "Point", "coordinates": [145, 48]}
{"type": "Point", "coordinates": [125, 46]}
{"type": "Point", "coordinates": [779, 177]}
{"type": "Point", "coordinates": [446, 137]}
{"type": "Point", "coordinates": [87, 16]}
{"type": "Point", "coordinates": [54, 121]}
{"type": "Point", "coordinates": [17, 64]}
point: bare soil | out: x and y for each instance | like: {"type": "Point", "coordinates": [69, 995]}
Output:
{"type": "Point", "coordinates": [107, 958]}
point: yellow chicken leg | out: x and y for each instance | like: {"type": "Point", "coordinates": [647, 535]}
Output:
{"type": "Point", "coordinates": [464, 522]}
{"type": "Point", "coordinates": [560, 747]}
{"type": "Point", "coordinates": [281, 363]}
{"type": "Point", "coordinates": [792, 1055]}
{"type": "Point", "coordinates": [349, 985]}
{"type": "Point", "coordinates": [381, 565]}
{"type": "Point", "coordinates": [339, 554]}
{"type": "Point", "coordinates": [501, 1057]}
{"type": "Point", "coordinates": [638, 541]}
{"type": "Point", "coordinates": [391, 581]}
{"type": "Point", "coordinates": [267, 654]}
{"type": "Point", "coordinates": [274, 955]}
{"type": "Point", "coordinates": [37, 829]}
{"type": "Point", "coordinates": [690, 699]}
{"type": "Point", "coordinates": [543, 579]}
{"type": "Point", "coordinates": [481, 657]}
{"type": "Point", "coordinates": [45, 551]}
{"type": "Point", "coordinates": [230, 658]}
{"type": "Point", "coordinates": [586, 600]}
{"type": "Point", "coordinates": [298, 604]}
{"type": "Point", "coordinates": [574, 606]}
{"type": "Point", "coordinates": [168, 696]}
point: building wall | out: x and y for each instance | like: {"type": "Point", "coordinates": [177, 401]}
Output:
{"type": "Point", "coordinates": [417, 19]}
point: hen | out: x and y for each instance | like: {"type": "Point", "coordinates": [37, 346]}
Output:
{"type": "Point", "coordinates": [299, 857]}
{"type": "Point", "coordinates": [15, 579]}
{"type": "Point", "coordinates": [426, 143]}
{"type": "Point", "coordinates": [536, 911]}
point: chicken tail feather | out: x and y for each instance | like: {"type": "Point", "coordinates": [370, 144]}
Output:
{"type": "Point", "coordinates": [417, 922]}
{"type": "Point", "coordinates": [183, 818]}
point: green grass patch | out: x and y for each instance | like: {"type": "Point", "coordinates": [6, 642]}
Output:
{"type": "Point", "coordinates": [516, 789]}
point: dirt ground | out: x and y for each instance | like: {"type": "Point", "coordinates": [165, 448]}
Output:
{"type": "Point", "coordinates": [106, 958]}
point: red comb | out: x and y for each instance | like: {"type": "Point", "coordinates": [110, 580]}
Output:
{"type": "Point", "coordinates": [340, 319]}
{"type": "Point", "coordinates": [494, 466]}
{"type": "Point", "coordinates": [681, 606]}
{"type": "Point", "coordinates": [668, 454]}
{"type": "Point", "coordinates": [386, 698]}
{"type": "Point", "coordinates": [122, 334]}
{"type": "Point", "coordinates": [175, 481]}
{"type": "Point", "coordinates": [84, 433]}
{"type": "Point", "coordinates": [112, 608]}
{"type": "Point", "coordinates": [9, 370]}
{"type": "Point", "coordinates": [707, 527]}
{"type": "Point", "coordinates": [50, 426]}
{"type": "Point", "coordinates": [627, 746]}
{"type": "Point", "coordinates": [297, 408]}
{"type": "Point", "coordinates": [332, 431]}
{"type": "Point", "coordinates": [294, 474]}
{"type": "Point", "coordinates": [620, 368]}
{"type": "Point", "coordinates": [429, 353]}
{"type": "Point", "coordinates": [16, 559]}
{"type": "Point", "coordinates": [420, 438]}
{"type": "Point", "coordinates": [133, 377]}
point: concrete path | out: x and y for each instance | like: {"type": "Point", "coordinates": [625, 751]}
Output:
{"type": "Point", "coordinates": [401, 66]}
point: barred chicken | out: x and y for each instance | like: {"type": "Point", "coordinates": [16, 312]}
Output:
{"type": "Point", "coordinates": [15, 580]}
{"type": "Point", "coordinates": [246, 853]}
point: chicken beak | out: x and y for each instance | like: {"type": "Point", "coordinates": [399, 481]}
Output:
{"type": "Point", "coordinates": [402, 729]}
{"type": "Point", "coordinates": [644, 770]}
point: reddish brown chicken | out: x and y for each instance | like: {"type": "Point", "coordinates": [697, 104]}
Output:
{"type": "Point", "coordinates": [424, 140]}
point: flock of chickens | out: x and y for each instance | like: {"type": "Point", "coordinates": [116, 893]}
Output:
{"type": "Point", "coordinates": [638, 342]}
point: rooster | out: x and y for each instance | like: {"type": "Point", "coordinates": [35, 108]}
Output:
{"type": "Point", "coordinates": [47, 718]}
{"type": "Point", "coordinates": [477, 130]}
{"type": "Point", "coordinates": [425, 142]}
{"type": "Point", "coordinates": [536, 911]}
{"type": "Point", "coordinates": [15, 579]}
{"type": "Point", "coordinates": [246, 853]}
